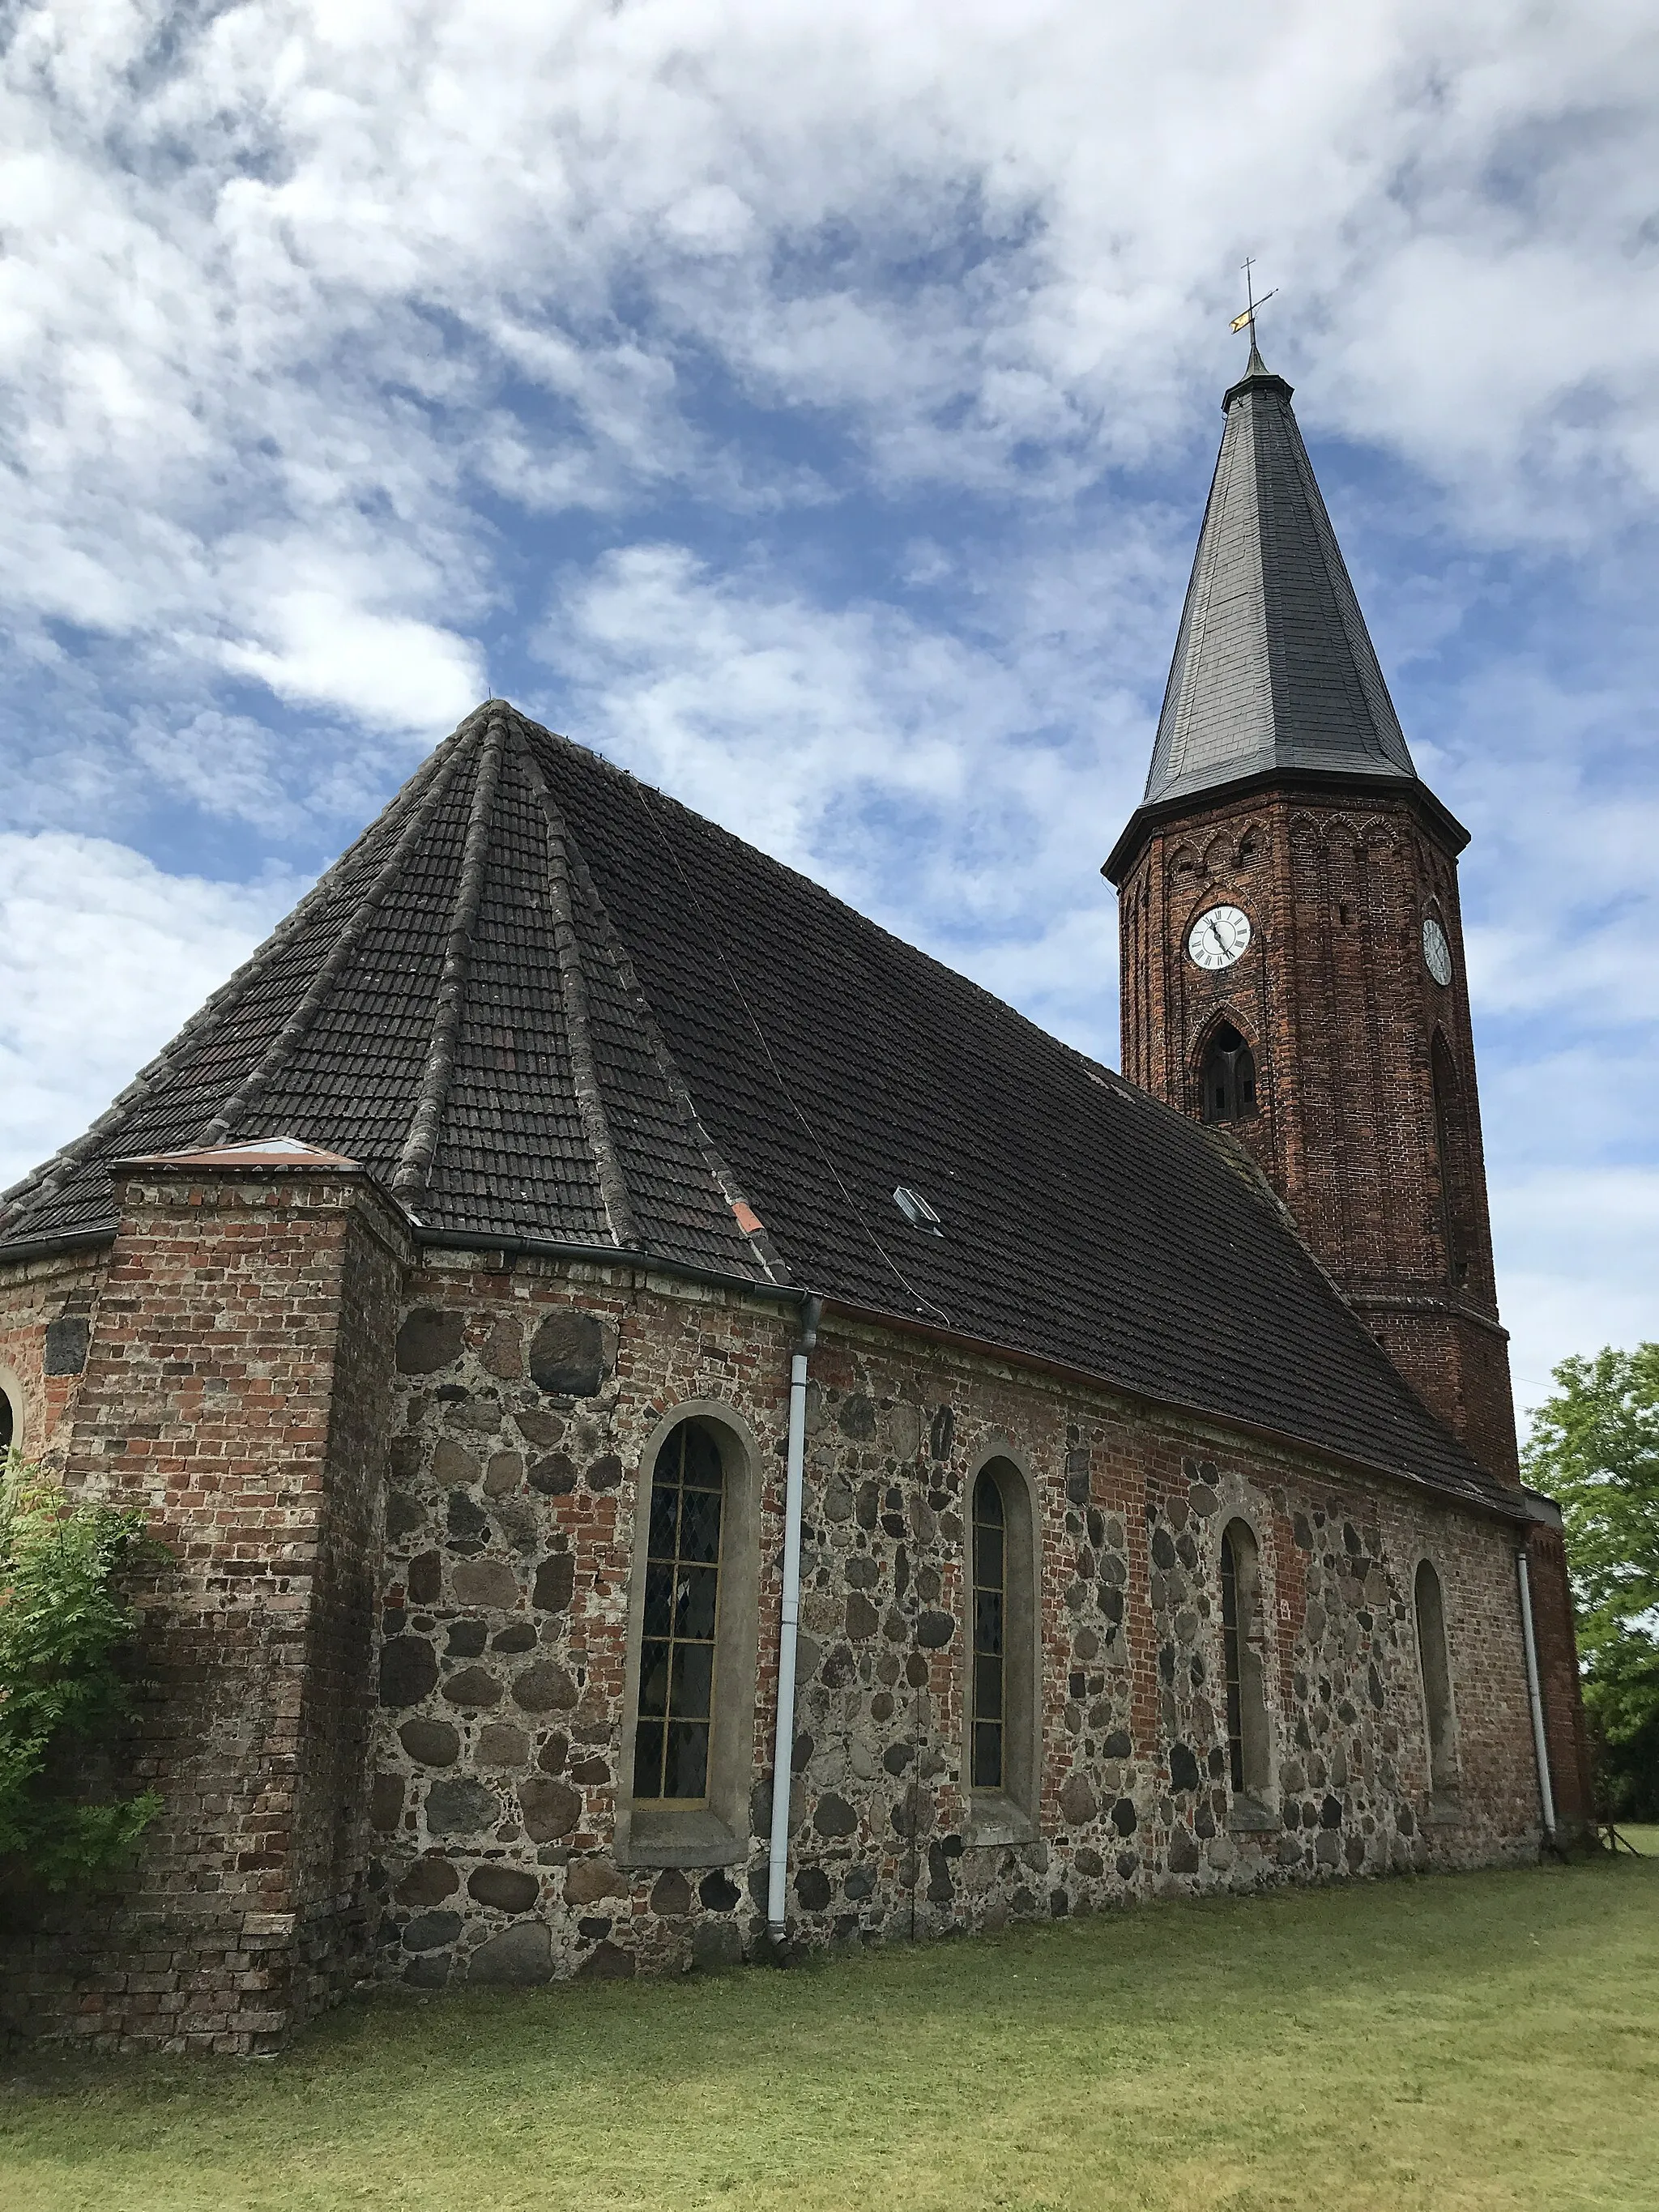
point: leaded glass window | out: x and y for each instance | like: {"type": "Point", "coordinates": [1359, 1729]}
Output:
{"type": "Point", "coordinates": [682, 1614]}
{"type": "Point", "coordinates": [990, 1633]}
{"type": "Point", "coordinates": [1235, 1671]}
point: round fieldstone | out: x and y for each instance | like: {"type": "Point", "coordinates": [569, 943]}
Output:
{"type": "Point", "coordinates": [403, 1513]}
{"type": "Point", "coordinates": [409, 1670]}
{"type": "Point", "coordinates": [434, 1743]}
{"type": "Point", "coordinates": [716, 1947]}
{"type": "Point", "coordinates": [460, 1805]}
{"type": "Point", "coordinates": [554, 1476]}
{"type": "Point", "coordinates": [1117, 1745]}
{"type": "Point", "coordinates": [425, 1580]}
{"type": "Point", "coordinates": [1077, 1804]}
{"type": "Point", "coordinates": [607, 1962]}
{"type": "Point", "coordinates": [862, 1619]}
{"type": "Point", "coordinates": [834, 1816]}
{"type": "Point", "coordinates": [385, 1803]}
{"type": "Point", "coordinates": [544, 1687]}
{"type": "Point", "coordinates": [934, 1631]}
{"type": "Point", "coordinates": [605, 1473]}
{"type": "Point", "coordinates": [567, 1355]}
{"type": "Point", "coordinates": [500, 1744]}
{"type": "Point", "coordinates": [672, 1895]}
{"type": "Point", "coordinates": [1127, 1865]}
{"type": "Point", "coordinates": [508, 1889]}
{"type": "Point", "coordinates": [486, 1582]}
{"type": "Point", "coordinates": [467, 1639]}
{"type": "Point", "coordinates": [837, 1500]}
{"type": "Point", "coordinates": [555, 1579]}
{"type": "Point", "coordinates": [1089, 1862]}
{"type": "Point", "coordinates": [517, 1636]}
{"type": "Point", "coordinates": [719, 1892]}
{"type": "Point", "coordinates": [1184, 1855]}
{"type": "Point", "coordinates": [1125, 1819]}
{"type": "Point", "coordinates": [1183, 1767]}
{"type": "Point", "coordinates": [1163, 1550]}
{"type": "Point", "coordinates": [428, 1881]}
{"type": "Point", "coordinates": [521, 1955]}
{"type": "Point", "coordinates": [592, 1878]}
{"type": "Point", "coordinates": [474, 1686]}
{"type": "Point", "coordinates": [859, 1884]}
{"type": "Point", "coordinates": [812, 1889]}
{"type": "Point", "coordinates": [549, 1809]}
{"type": "Point", "coordinates": [430, 1931]}
{"type": "Point", "coordinates": [429, 1340]}
{"type": "Point", "coordinates": [501, 1352]}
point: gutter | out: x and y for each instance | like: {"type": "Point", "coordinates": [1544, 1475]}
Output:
{"type": "Point", "coordinates": [777, 1877]}
{"type": "Point", "coordinates": [1540, 1744]}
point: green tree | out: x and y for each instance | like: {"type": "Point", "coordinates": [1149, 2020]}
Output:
{"type": "Point", "coordinates": [63, 1625]}
{"type": "Point", "coordinates": [1595, 1448]}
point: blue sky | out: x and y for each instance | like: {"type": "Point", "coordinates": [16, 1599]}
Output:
{"type": "Point", "coordinates": [811, 407]}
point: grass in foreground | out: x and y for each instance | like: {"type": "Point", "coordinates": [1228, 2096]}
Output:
{"type": "Point", "coordinates": [1487, 2040]}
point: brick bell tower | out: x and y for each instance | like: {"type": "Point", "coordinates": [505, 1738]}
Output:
{"type": "Point", "coordinates": [1290, 943]}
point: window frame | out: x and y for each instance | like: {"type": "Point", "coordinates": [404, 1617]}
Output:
{"type": "Point", "coordinates": [1006, 1814]}
{"type": "Point", "coordinates": [1253, 1796]}
{"type": "Point", "coordinates": [713, 1831]}
{"type": "Point", "coordinates": [1440, 1745]}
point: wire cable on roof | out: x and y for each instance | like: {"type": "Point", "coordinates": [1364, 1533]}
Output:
{"type": "Point", "coordinates": [924, 1305]}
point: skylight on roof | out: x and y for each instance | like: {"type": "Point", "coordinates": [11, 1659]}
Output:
{"type": "Point", "coordinates": [916, 1211]}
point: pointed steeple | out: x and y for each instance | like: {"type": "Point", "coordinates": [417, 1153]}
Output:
{"type": "Point", "coordinates": [1273, 668]}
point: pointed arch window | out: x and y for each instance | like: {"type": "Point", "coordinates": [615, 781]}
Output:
{"type": "Point", "coordinates": [1434, 1661]}
{"type": "Point", "coordinates": [1229, 1077]}
{"type": "Point", "coordinates": [7, 1423]}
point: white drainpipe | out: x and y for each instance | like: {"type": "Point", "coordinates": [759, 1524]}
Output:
{"type": "Point", "coordinates": [1540, 1746]}
{"type": "Point", "coordinates": [783, 1754]}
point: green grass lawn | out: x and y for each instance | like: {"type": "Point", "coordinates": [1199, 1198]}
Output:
{"type": "Point", "coordinates": [1484, 2040]}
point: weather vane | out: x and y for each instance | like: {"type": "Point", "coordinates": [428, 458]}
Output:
{"type": "Point", "coordinates": [1239, 322]}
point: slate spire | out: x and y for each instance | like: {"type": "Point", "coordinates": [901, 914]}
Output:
{"type": "Point", "coordinates": [1273, 668]}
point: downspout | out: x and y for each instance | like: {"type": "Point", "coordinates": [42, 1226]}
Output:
{"type": "Point", "coordinates": [783, 1752]}
{"type": "Point", "coordinates": [1540, 1746]}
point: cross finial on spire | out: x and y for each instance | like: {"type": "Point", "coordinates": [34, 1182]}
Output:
{"type": "Point", "coordinates": [1255, 366]}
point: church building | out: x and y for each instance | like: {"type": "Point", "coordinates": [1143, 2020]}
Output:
{"type": "Point", "coordinates": [687, 1431]}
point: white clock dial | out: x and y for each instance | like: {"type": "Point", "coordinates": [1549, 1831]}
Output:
{"type": "Point", "coordinates": [1437, 953]}
{"type": "Point", "coordinates": [1219, 937]}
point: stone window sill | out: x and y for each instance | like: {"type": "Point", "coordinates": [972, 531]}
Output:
{"type": "Point", "coordinates": [1442, 1810]}
{"type": "Point", "coordinates": [995, 1819]}
{"type": "Point", "coordinates": [1247, 1817]}
{"type": "Point", "coordinates": [667, 1835]}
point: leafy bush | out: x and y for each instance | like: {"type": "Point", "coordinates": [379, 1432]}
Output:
{"type": "Point", "coordinates": [62, 1624]}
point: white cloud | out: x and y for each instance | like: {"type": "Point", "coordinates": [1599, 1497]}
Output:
{"type": "Point", "coordinates": [102, 956]}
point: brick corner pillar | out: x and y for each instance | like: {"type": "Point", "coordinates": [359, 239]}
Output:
{"type": "Point", "coordinates": [1565, 1734]}
{"type": "Point", "coordinates": [237, 1389]}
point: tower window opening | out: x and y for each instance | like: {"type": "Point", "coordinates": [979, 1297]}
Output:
{"type": "Point", "coordinates": [1452, 1147]}
{"type": "Point", "coordinates": [1229, 1078]}
{"type": "Point", "coordinates": [8, 1423]}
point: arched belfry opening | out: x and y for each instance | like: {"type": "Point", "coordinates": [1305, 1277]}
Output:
{"type": "Point", "coordinates": [1227, 1075]}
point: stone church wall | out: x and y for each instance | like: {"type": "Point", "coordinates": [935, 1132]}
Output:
{"type": "Point", "coordinates": [503, 1653]}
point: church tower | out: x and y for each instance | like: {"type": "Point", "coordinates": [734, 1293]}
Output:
{"type": "Point", "coordinates": [1290, 943]}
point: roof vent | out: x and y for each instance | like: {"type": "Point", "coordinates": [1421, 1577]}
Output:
{"type": "Point", "coordinates": [916, 1211]}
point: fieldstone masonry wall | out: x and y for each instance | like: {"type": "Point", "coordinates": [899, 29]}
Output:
{"type": "Point", "coordinates": [525, 1400]}
{"type": "Point", "coordinates": [386, 1695]}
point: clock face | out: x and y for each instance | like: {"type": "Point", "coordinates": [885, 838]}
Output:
{"type": "Point", "coordinates": [1219, 937]}
{"type": "Point", "coordinates": [1437, 953]}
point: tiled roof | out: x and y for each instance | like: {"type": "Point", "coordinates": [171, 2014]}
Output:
{"type": "Point", "coordinates": [1273, 667]}
{"type": "Point", "coordinates": [538, 1000]}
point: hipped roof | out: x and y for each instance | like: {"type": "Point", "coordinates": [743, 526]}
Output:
{"type": "Point", "coordinates": [537, 1000]}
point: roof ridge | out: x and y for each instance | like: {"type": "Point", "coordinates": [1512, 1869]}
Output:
{"type": "Point", "coordinates": [758, 1238]}
{"type": "Point", "coordinates": [230, 1114]}
{"type": "Point", "coordinates": [579, 1030]}
{"type": "Point", "coordinates": [42, 1183]}
{"type": "Point", "coordinates": [419, 1146]}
